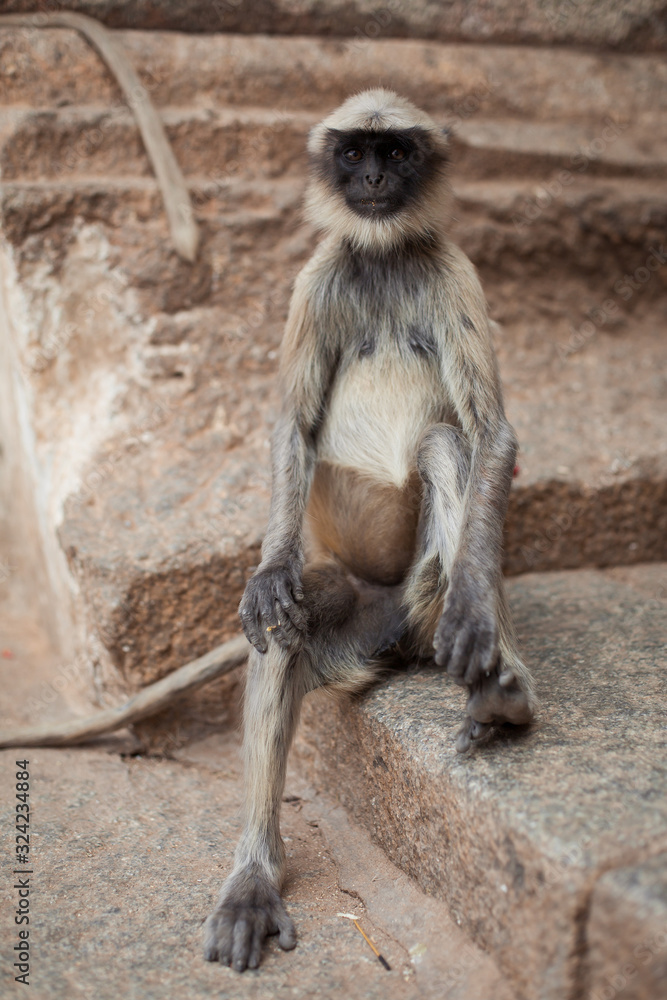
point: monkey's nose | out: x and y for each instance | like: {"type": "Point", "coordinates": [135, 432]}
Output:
{"type": "Point", "coordinates": [375, 180]}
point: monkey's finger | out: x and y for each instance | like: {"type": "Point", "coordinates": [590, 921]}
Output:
{"type": "Point", "coordinates": [461, 654]}
{"type": "Point", "coordinates": [268, 610]}
{"type": "Point", "coordinates": [286, 931]}
{"type": "Point", "coordinates": [442, 656]}
{"type": "Point", "coordinates": [483, 657]}
{"type": "Point", "coordinates": [255, 635]}
{"type": "Point", "coordinates": [297, 616]}
{"type": "Point", "coordinates": [287, 602]}
{"type": "Point", "coordinates": [463, 737]}
{"type": "Point", "coordinates": [253, 631]}
{"type": "Point", "coordinates": [479, 729]}
{"type": "Point", "coordinates": [241, 944]}
{"type": "Point", "coordinates": [211, 950]}
{"type": "Point", "coordinates": [469, 733]}
{"type": "Point", "coordinates": [443, 644]}
{"type": "Point", "coordinates": [284, 633]}
{"type": "Point", "coordinates": [490, 652]}
{"type": "Point", "coordinates": [506, 676]}
{"type": "Point", "coordinates": [219, 943]}
{"type": "Point", "coordinates": [258, 935]}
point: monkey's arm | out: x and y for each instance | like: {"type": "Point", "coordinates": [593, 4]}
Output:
{"type": "Point", "coordinates": [466, 639]}
{"type": "Point", "coordinates": [270, 603]}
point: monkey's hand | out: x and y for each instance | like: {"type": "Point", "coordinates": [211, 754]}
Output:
{"type": "Point", "coordinates": [270, 607]}
{"type": "Point", "coordinates": [466, 643]}
{"type": "Point", "coordinates": [466, 639]}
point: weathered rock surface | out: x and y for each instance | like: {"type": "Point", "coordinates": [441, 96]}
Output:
{"type": "Point", "coordinates": [136, 399]}
{"type": "Point", "coordinates": [529, 837]}
{"type": "Point", "coordinates": [637, 25]}
{"type": "Point", "coordinates": [629, 904]}
{"type": "Point", "coordinates": [128, 858]}
{"type": "Point", "coordinates": [314, 74]}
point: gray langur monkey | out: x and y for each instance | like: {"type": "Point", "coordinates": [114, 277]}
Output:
{"type": "Point", "coordinates": [392, 464]}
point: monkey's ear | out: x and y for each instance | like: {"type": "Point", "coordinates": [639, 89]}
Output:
{"type": "Point", "coordinates": [447, 131]}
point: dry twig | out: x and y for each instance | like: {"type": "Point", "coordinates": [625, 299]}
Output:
{"type": "Point", "coordinates": [175, 195]}
{"type": "Point", "coordinates": [147, 702]}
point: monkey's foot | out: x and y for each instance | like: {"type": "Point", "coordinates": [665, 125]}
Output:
{"type": "Point", "coordinates": [497, 698]}
{"type": "Point", "coordinates": [250, 908]}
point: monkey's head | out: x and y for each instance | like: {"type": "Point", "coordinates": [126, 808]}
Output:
{"type": "Point", "coordinates": [378, 171]}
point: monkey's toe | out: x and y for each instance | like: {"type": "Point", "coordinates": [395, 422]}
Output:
{"type": "Point", "coordinates": [235, 931]}
{"type": "Point", "coordinates": [500, 697]}
{"type": "Point", "coordinates": [469, 733]}
{"type": "Point", "coordinates": [497, 698]}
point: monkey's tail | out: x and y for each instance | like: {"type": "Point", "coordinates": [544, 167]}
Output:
{"type": "Point", "coordinates": [146, 702]}
{"type": "Point", "coordinates": [175, 195]}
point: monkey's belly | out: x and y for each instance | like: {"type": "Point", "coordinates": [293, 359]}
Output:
{"type": "Point", "coordinates": [370, 525]}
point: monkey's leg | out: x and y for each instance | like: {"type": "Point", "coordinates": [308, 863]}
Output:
{"type": "Point", "coordinates": [505, 692]}
{"type": "Point", "coordinates": [344, 628]}
{"type": "Point", "coordinates": [250, 906]}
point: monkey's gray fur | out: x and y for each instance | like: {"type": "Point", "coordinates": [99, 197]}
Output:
{"type": "Point", "coordinates": [392, 464]}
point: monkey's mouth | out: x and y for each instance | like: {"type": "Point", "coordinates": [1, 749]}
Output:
{"type": "Point", "coordinates": [374, 206]}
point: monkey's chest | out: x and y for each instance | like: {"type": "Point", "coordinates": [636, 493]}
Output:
{"type": "Point", "coordinates": [377, 413]}
{"type": "Point", "coordinates": [366, 494]}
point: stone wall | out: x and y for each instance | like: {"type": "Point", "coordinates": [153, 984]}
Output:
{"type": "Point", "coordinates": [633, 26]}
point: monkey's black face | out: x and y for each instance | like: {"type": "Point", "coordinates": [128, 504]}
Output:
{"type": "Point", "coordinates": [379, 173]}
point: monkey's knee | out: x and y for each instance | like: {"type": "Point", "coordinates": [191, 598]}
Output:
{"type": "Point", "coordinates": [328, 597]}
{"type": "Point", "coordinates": [444, 451]}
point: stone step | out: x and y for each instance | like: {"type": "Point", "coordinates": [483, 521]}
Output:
{"type": "Point", "coordinates": [162, 524]}
{"type": "Point", "coordinates": [51, 68]}
{"type": "Point", "coordinates": [549, 846]}
{"type": "Point", "coordinates": [156, 839]}
{"type": "Point", "coordinates": [83, 142]}
{"type": "Point", "coordinates": [629, 905]}
{"type": "Point", "coordinates": [636, 26]}
{"type": "Point", "coordinates": [601, 231]}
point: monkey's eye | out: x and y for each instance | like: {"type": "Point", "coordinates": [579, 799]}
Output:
{"type": "Point", "coordinates": [397, 154]}
{"type": "Point", "coordinates": [353, 155]}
